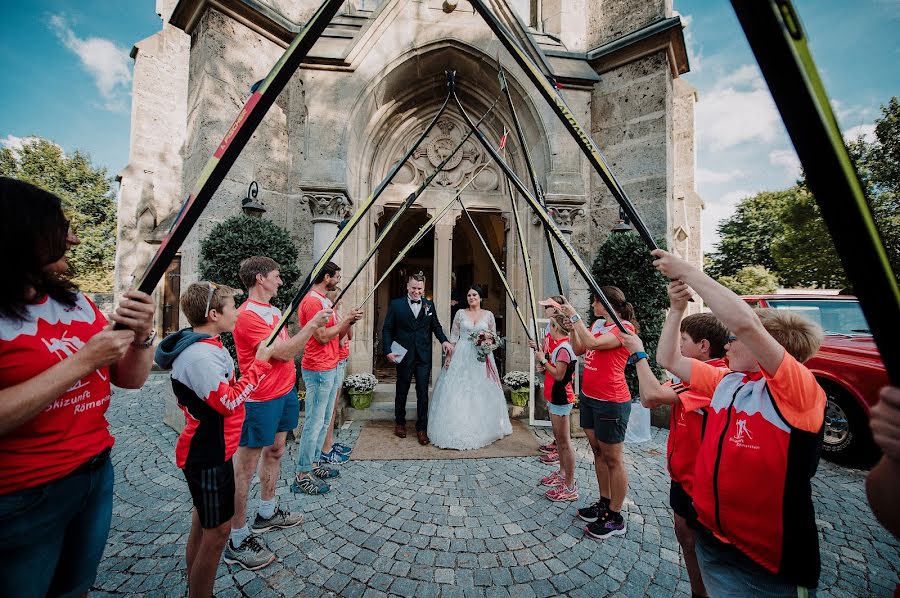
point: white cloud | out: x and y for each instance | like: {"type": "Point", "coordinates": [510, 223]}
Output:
{"type": "Point", "coordinates": [786, 159]}
{"type": "Point", "coordinates": [15, 144]}
{"type": "Point", "coordinates": [866, 131]}
{"type": "Point", "coordinates": [716, 211]}
{"type": "Point", "coordinates": [705, 176]}
{"type": "Point", "coordinates": [107, 63]}
{"type": "Point", "coordinates": [737, 110]}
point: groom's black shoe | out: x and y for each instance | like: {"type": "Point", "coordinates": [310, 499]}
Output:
{"type": "Point", "coordinates": [400, 430]}
{"type": "Point", "coordinates": [423, 437]}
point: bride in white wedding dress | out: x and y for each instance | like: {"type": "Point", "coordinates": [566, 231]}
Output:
{"type": "Point", "coordinates": [468, 408]}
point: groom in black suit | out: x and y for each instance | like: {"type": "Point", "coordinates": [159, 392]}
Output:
{"type": "Point", "coordinates": [410, 322]}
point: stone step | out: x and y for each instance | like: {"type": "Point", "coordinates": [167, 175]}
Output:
{"type": "Point", "coordinates": [382, 407]}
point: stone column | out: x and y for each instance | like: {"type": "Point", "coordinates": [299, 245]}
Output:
{"type": "Point", "coordinates": [564, 215]}
{"type": "Point", "coordinates": [328, 207]}
{"type": "Point", "coordinates": [443, 265]}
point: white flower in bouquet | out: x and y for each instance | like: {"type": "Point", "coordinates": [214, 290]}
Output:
{"type": "Point", "coordinates": [516, 380]}
{"type": "Point", "coordinates": [360, 382]}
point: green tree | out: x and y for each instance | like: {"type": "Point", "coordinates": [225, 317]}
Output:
{"type": "Point", "coordinates": [878, 165]}
{"type": "Point", "coordinates": [783, 231]}
{"type": "Point", "coordinates": [87, 199]}
{"type": "Point", "coordinates": [804, 253]}
{"type": "Point", "coordinates": [746, 236]}
{"type": "Point", "coordinates": [751, 280]}
{"type": "Point", "coordinates": [624, 261]}
{"type": "Point", "coordinates": [239, 237]}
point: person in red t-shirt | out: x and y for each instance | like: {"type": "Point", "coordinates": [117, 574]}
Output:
{"type": "Point", "coordinates": [337, 452]}
{"type": "Point", "coordinates": [558, 362]}
{"type": "Point", "coordinates": [320, 370]}
{"type": "Point", "coordinates": [605, 407]}
{"type": "Point", "coordinates": [703, 337]}
{"type": "Point", "coordinates": [58, 357]}
{"type": "Point", "coordinates": [270, 411]}
{"type": "Point", "coordinates": [752, 480]}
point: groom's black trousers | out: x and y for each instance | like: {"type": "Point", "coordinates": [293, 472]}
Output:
{"type": "Point", "coordinates": [405, 372]}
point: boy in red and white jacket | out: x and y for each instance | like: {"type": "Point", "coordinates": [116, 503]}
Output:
{"type": "Point", "coordinates": [702, 337]}
{"type": "Point", "coordinates": [760, 449]}
{"type": "Point", "coordinates": [213, 404]}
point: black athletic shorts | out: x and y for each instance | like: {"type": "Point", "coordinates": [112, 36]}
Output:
{"type": "Point", "coordinates": [607, 419]}
{"type": "Point", "coordinates": [212, 490]}
{"type": "Point", "coordinates": [682, 504]}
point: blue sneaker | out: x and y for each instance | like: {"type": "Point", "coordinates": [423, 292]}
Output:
{"type": "Point", "coordinates": [309, 485]}
{"type": "Point", "coordinates": [340, 447]}
{"type": "Point", "coordinates": [333, 457]}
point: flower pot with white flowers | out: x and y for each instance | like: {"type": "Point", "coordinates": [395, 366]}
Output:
{"type": "Point", "coordinates": [360, 387]}
{"type": "Point", "coordinates": [518, 383]}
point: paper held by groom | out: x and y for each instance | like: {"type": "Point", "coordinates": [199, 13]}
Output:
{"type": "Point", "coordinates": [398, 350]}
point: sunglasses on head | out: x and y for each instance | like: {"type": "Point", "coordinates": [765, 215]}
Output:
{"type": "Point", "coordinates": [213, 287]}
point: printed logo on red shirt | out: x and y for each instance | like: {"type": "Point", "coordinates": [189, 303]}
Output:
{"type": "Point", "coordinates": [742, 435]}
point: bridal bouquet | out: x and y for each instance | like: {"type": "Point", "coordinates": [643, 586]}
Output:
{"type": "Point", "coordinates": [486, 342]}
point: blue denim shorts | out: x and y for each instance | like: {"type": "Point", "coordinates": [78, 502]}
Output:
{"type": "Point", "coordinates": [52, 536]}
{"type": "Point", "coordinates": [560, 410]}
{"type": "Point", "coordinates": [729, 572]}
{"type": "Point", "coordinates": [265, 419]}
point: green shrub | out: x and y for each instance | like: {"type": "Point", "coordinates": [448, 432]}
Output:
{"type": "Point", "coordinates": [238, 238]}
{"type": "Point", "coordinates": [625, 262]}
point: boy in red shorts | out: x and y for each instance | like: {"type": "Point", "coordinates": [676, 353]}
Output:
{"type": "Point", "coordinates": [702, 337]}
{"type": "Point", "coordinates": [760, 449]}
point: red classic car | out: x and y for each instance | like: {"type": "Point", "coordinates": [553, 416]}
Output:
{"type": "Point", "coordinates": [848, 366]}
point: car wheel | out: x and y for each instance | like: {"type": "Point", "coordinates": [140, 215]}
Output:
{"type": "Point", "coordinates": [847, 439]}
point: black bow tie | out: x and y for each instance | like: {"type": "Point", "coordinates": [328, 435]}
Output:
{"type": "Point", "coordinates": [415, 301]}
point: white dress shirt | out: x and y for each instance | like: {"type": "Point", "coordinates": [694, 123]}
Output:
{"type": "Point", "coordinates": [415, 307]}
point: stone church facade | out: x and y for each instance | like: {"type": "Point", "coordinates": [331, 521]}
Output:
{"type": "Point", "coordinates": [365, 93]}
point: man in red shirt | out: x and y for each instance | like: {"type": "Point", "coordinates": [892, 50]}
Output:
{"type": "Point", "coordinates": [271, 409]}
{"type": "Point", "coordinates": [702, 337]}
{"type": "Point", "coordinates": [320, 376]}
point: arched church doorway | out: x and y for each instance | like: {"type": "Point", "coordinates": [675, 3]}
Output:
{"type": "Point", "coordinates": [472, 266]}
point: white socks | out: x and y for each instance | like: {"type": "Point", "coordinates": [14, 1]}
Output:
{"type": "Point", "coordinates": [239, 535]}
{"type": "Point", "coordinates": [267, 508]}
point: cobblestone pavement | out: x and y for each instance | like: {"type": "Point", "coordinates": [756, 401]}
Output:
{"type": "Point", "coordinates": [446, 528]}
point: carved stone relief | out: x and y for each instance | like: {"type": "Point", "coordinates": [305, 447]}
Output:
{"type": "Point", "coordinates": [328, 206]}
{"type": "Point", "coordinates": [467, 162]}
{"type": "Point", "coordinates": [564, 216]}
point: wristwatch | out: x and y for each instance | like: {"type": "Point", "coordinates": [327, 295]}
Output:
{"type": "Point", "coordinates": [636, 357]}
{"type": "Point", "coordinates": [146, 344]}
{"type": "Point", "coordinates": [574, 318]}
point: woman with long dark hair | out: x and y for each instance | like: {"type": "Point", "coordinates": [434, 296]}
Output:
{"type": "Point", "coordinates": [468, 409]}
{"type": "Point", "coordinates": [58, 358]}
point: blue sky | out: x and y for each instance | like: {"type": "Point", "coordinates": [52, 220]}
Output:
{"type": "Point", "coordinates": [68, 78]}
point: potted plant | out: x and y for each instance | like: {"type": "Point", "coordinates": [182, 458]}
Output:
{"type": "Point", "coordinates": [360, 387]}
{"type": "Point", "coordinates": [518, 384]}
